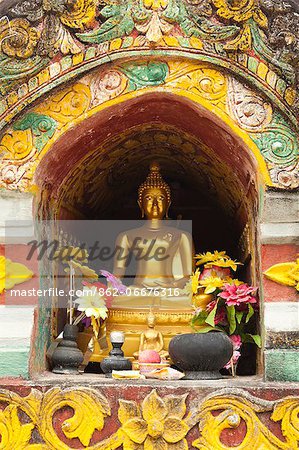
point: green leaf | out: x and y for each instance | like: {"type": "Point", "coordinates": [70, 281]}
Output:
{"type": "Point", "coordinates": [239, 316]}
{"type": "Point", "coordinates": [250, 313]}
{"type": "Point", "coordinates": [231, 316]}
{"type": "Point", "coordinates": [210, 320]}
{"type": "Point", "coordinates": [200, 318]}
{"type": "Point", "coordinates": [256, 339]}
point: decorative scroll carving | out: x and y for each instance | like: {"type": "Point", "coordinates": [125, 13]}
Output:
{"type": "Point", "coordinates": [22, 145]}
{"type": "Point", "coordinates": [151, 423]}
{"type": "Point", "coordinates": [250, 111]}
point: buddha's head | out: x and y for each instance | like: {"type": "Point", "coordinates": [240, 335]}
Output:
{"type": "Point", "coordinates": [151, 320]}
{"type": "Point", "coordinates": [154, 196]}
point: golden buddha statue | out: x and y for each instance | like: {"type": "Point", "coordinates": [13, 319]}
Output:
{"type": "Point", "coordinates": [163, 252]}
{"type": "Point", "coordinates": [161, 271]}
{"type": "Point", "coordinates": [152, 339]}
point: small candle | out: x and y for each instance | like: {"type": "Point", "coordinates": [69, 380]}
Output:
{"type": "Point", "coordinates": [117, 337]}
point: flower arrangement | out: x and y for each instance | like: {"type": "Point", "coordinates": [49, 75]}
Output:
{"type": "Point", "coordinates": [228, 304]}
{"type": "Point", "coordinates": [91, 305]}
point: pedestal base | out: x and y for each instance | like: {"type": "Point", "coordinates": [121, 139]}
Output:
{"type": "Point", "coordinates": [202, 375]}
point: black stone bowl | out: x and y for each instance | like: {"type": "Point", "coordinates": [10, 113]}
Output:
{"type": "Point", "coordinates": [201, 355]}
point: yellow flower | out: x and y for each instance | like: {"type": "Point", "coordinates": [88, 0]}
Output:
{"type": "Point", "coordinates": [92, 303]}
{"type": "Point", "coordinates": [155, 4]}
{"type": "Point", "coordinates": [12, 273]}
{"type": "Point", "coordinates": [84, 271]}
{"type": "Point", "coordinates": [224, 263]}
{"type": "Point", "coordinates": [212, 283]}
{"type": "Point", "coordinates": [233, 281]}
{"type": "Point", "coordinates": [159, 424]}
{"type": "Point", "coordinates": [195, 281]}
{"type": "Point", "coordinates": [209, 257]}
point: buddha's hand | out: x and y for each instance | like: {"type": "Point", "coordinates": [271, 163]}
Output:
{"type": "Point", "coordinates": [180, 284]}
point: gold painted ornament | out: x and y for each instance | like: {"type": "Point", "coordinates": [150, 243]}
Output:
{"type": "Point", "coordinates": [285, 273]}
{"type": "Point", "coordinates": [18, 38]}
{"type": "Point", "coordinates": [153, 423]}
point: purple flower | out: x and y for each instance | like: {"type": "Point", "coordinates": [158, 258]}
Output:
{"type": "Point", "coordinates": [114, 281]}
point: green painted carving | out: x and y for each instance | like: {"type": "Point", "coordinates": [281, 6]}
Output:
{"type": "Point", "coordinates": [278, 143]}
{"type": "Point", "coordinates": [42, 127]}
{"type": "Point", "coordinates": [265, 52]}
{"type": "Point", "coordinates": [13, 70]}
{"type": "Point", "coordinates": [119, 22]}
{"type": "Point", "coordinates": [145, 74]}
{"type": "Point", "coordinates": [121, 19]}
{"type": "Point", "coordinates": [193, 23]}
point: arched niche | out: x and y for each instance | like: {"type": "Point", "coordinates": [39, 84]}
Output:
{"type": "Point", "coordinates": [94, 169]}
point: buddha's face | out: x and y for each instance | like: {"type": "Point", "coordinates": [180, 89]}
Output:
{"type": "Point", "coordinates": [154, 203]}
{"type": "Point", "coordinates": [151, 321]}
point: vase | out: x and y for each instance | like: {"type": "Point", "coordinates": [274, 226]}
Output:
{"type": "Point", "coordinates": [116, 359]}
{"type": "Point", "coordinates": [67, 358]}
{"type": "Point", "coordinates": [201, 355]}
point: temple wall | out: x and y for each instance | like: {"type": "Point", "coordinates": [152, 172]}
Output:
{"type": "Point", "coordinates": [73, 72]}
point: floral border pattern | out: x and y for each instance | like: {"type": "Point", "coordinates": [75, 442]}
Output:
{"type": "Point", "coordinates": [154, 423]}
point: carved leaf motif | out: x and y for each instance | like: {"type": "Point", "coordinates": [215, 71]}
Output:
{"type": "Point", "coordinates": [127, 410]}
{"type": "Point", "coordinates": [282, 274]}
{"type": "Point", "coordinates": [153, 407]}
{"type": "Point", "coordinates": [155, 444]}
{"type": "Point", "coordinates": [241, 10]}
{"type": "Point", "coordinates": [14, 435]}
{"type": "Point", "coordinates": [136, 429]}
{"type": "Point", "coordinates": [176, 405]}
{"type": "Point", "coordinates": [174, 429]}
{"type": "Point", "coordinates": [82, 13]}
{"type": "Point", "coordinates": [287, 411]}
{"type": "Point", "coordinates": [42, 127]}
{"type": "Point", "coordinates": [181, 445]}
{"type": "Point", "coordinates": [119, 23]}
{"type": "Point", "coordinates": [90, 409]}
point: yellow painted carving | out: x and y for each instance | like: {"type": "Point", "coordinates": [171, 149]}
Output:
{"type": "Point", "coordinates": [285, 273]}
{"type": "Point", "coordinates": [12, 273]}
{"type": "Point", "coordinates": [68, 104]}
{"type": "Point", "coordinates": [90, 409]}
{"type": "Point", "coordinates": [18, 38]}
{"type": "Point", "coordinates": [82, 13]}
{"type": "Point", "coordinates": [156, 424]}
{"type": "Point", "coordinates": [155, 4]}
{"type": "Point", "coordinates": [14, 435]}
{"type": "Point", "coordinates": [287, 411]}
{"type": "Point", "coordinates": [258, 436]}
{"type": "Point", "coordinates": [241, 10]}
{"type": "Point", "coordinates": [17, 144]}
{"type": "Point", "coordinates": [208, 83]}
{"type": "Point", "coordinates": [200, 83]}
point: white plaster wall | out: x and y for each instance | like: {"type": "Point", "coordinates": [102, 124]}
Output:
{"type": "Point", "coordinates": [282, 316]}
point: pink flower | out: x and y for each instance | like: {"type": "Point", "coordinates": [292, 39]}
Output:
{"type": "Point", "coordinates": [236, 295]}
{"type": "Point", "coordinates": [221, 317]}
{"type": "Point", "coordinates": [215, 271]}
{"type": "Point", "coordinates": [236, 341]}
{"type": "Point", "coordinates": [210, 306]}
{"type": "Point", "coordinates": [234, 359]}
